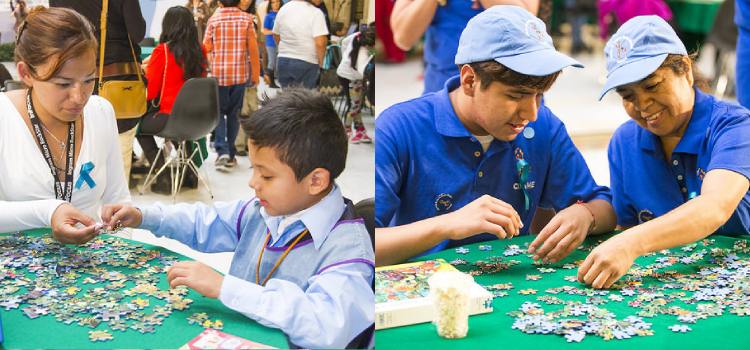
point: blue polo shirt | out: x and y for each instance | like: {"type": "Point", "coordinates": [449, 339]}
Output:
{"type": "Point", "coordinates": [441, 42]}
{"type": "Point", "coordinates": [645, 185]}
{"type": "Point", "coordinates": [427, 164]}
{"type": "Point", "coordinates": [742, 13]}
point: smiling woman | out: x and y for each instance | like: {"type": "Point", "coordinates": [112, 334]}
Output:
{"type": "Point", "coordinates": [56, 140]}
{"type": "Point", "coordinates": [679, 169]}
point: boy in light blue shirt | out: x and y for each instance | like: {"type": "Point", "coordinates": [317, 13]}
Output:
{"type": "Point", "coordinates": [302, 262]}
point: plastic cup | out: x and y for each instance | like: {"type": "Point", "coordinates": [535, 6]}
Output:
{"type": "Point", "coordinates": [449, 291]}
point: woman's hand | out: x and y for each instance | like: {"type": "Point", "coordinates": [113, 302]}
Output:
{"type": "Point", "coordinates": [608, 262]}
{"type": "Point", "coordinates": [65, 225]}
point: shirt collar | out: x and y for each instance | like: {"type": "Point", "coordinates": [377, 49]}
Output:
{"type": "Point", "coordinates": [446, 119]}
{"type": "Point", "coordinates": [319, 219]}
{"type": "Point", "coordinates": [694, 133]}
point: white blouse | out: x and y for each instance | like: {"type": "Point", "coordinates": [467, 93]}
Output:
{"type": "Point", "coordinates": [27, 193]}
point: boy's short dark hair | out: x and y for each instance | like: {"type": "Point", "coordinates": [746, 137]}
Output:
{"type": "Point", "coordinates": [229, 3]}
{"type": "Point", "coordinates": [304, 129]}
{"type": "Point", "coordinates": [491, 71]}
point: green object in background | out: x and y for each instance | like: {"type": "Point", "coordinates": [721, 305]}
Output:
{"type": "Point", "coordinates": [197, 159]}
{"type": "Point", "coordinates": [45, 332]}
{"type": "Point", "coordinates": [696, 16]}
{"type": "Point", "coordinates": [146, 51]}
{"type": "Point", "coordinates": [494, 330]}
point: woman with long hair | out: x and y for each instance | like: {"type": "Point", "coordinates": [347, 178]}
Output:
{"type": "Point", "coordinates": [179, 53]}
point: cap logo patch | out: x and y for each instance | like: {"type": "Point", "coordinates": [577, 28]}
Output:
{"type": "Point", "coordinates": [621, 48]}
{"type": "Point", "coordinates": [534, 30]}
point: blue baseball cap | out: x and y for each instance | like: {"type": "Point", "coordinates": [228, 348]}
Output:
{"type": "Point", "coordinates": [637, 49]}
{"type": "Point", "coordinates": [514, 38]}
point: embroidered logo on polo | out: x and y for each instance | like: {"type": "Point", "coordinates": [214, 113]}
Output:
{"type": "Point", "coordinates": [443, 202]}
{"type": "Point", "coordinates": [645, 215]}
{"type": "Point", "coordinates": [621, 47]}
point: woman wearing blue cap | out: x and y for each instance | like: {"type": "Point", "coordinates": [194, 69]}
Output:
{"type": "Point", "coordinates": [679, 169]}
{"type": "Point", "coordinates": [441, 22]}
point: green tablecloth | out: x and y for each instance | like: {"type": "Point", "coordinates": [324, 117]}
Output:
{"type": "Point", "coordinates": [47, 333]}
{"type": "Point", "coordinates": [494, 330]}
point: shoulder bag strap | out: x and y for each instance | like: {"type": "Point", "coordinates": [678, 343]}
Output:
{"type": "Point", "coordinates": [102, 39]}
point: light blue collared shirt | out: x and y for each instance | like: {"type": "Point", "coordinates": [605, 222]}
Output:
{"type": "Point", "coordinates": [338, 298]}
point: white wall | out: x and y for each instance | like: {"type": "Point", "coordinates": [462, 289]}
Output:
{"type": "Point", "coordinates": [153, 11]}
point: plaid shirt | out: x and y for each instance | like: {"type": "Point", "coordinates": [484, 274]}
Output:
{"type": "Point", "coordinates": [230, 42]}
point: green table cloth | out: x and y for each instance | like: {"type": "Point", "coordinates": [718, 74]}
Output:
{"type": "Point", "coordinates": [47, 332]}
{"type": "Point", "coordinates": [495, 330]}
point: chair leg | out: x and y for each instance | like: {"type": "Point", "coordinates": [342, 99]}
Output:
{"type": "Point", "coordinates": [179, 171]}
{"type": "Point", "coordinates": [149, 179]}
{"type": "Point", "coordinates": [195, 170]}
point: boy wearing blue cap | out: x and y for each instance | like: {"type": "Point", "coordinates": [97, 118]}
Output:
{"type": "Point", "coordinates": [302, 262]}
{"type": "Point", "coordinates": [484, 153]}
{"type": "Point", "coordinates": [679, 169]}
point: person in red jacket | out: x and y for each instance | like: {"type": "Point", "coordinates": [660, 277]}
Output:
{"type": "Point", "coordinates": [178, 57]}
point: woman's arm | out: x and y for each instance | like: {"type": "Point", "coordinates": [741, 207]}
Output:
{"type": "Point", "coordinates": [721, 192]}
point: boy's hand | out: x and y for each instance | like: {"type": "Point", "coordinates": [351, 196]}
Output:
{"type": "Point", "coordinates": [64, 221]}
{"type": "Point", "coordinates": [565, 232]}
{"type": "Point", "coordinates": [118, 215]}
{"type": "Point", "coordinates": [484, 214]}
{"type": "Point", "coordinates": [198, 276]}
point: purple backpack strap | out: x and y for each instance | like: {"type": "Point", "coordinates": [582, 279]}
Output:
{"type": "Point", "coordinates": [239, 217]}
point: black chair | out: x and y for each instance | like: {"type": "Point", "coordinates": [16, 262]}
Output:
{"type": "Point", "coordinates": [366, 210]}
{"type": "Point", "coordinates": [194, 115]}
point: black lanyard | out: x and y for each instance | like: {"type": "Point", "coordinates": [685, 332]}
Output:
{"type": "Point", "coordinates": [61, 192]}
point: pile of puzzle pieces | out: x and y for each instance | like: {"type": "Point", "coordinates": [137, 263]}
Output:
{"type": "Point", "coordinates": [717, 282]}
{"type": "Point", "coordinates": [107, 285]}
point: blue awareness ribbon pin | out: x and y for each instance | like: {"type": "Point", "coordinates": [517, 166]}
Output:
{"type": "Point", "coordinates": [85, 176]}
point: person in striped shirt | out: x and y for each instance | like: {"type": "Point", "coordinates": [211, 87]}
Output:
{"type": "Point", "coordinates": [233, 59]}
